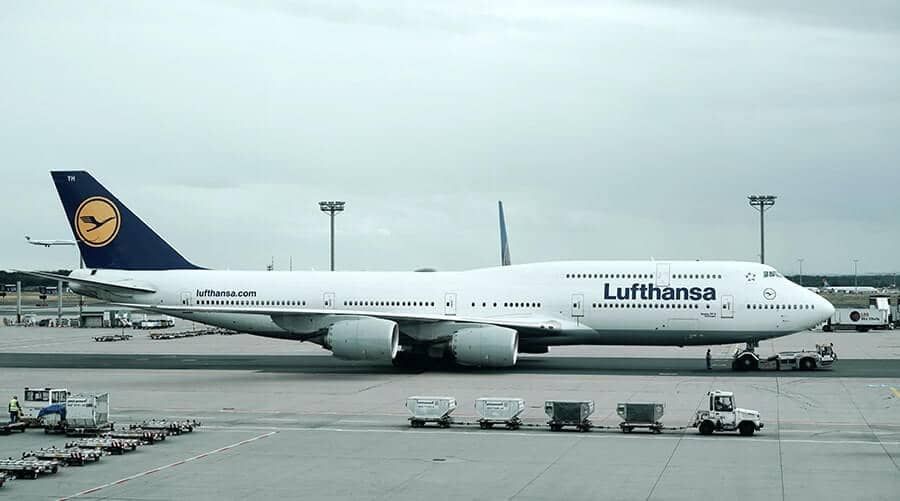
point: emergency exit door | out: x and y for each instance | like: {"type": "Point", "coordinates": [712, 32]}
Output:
{"type": "Point", "coordinates": [663, 274]}
{"type": "Point", "coordinates": [186, 298]}
{"type": "Point", "coordinates": [450, 303]}
{"type": "Point", "coordinates": [727, 306]}
{"type": "Point", "coordinates": [577, 305]}
{"type": "Point", "coordinates": [328, 300]}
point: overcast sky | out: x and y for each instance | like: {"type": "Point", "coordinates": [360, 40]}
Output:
{"type": "Point", "coordinates": [611, 130]}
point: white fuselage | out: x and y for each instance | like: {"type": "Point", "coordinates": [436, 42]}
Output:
{"type": "Point", "coordinates": [587, 302]}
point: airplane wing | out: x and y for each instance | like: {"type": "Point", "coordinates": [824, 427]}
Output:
{"type": "Point", "coordinates": [524, 323]}
{"type": "Point", "coordinates": [116, 287]}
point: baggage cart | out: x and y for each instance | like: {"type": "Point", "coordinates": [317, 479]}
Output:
{"type": "Point", "coordinates": [641, 415]}
{"type": "Point", "coordinates": [7, 428]}
{"type": "Point", "coordinates": [569, 413]}
{"type": "Point", "coordinates": [68, 457]}
{"type": "Point", "coordinates": [167, 427]}
{"type": "Point", "coordinates": [430, 410]}
{"type": "Point", "coordinates": [28, 468]}
{"type": "Point", "coordinates": [115, 446]}
{"type": "Point", "coordinates": [503, 411]}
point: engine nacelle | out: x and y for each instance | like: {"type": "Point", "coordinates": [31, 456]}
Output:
{"type": "Point", "coordinates": [364, 339]}
{"type": "Point", "coordinates": [487, 346]}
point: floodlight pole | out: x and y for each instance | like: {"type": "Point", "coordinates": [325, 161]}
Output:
{"type": "Point", "coordinates": [800, 260]}
{"type": "Point", "coordinates": [331, 208]}
{"type": "Point", "coordinates": [762, 203]}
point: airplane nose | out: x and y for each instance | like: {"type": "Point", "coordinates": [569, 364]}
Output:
{"type": "Point", "coordinates": [825, 307]}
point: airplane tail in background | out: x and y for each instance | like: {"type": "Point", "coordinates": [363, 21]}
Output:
{"type": "Point", "coordinates": [109, 235]}
{"type": "Point", "coordinates": [504, 243]}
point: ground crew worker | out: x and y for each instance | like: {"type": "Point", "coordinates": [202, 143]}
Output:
{"type": "Point", "coordinates": [708, 359]}
{"type": "Point", "coordinates": [14, 410]}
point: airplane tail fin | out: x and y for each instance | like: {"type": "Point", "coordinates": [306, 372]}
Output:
{"type": "Point", "coordinates": [504, 243]}
{"type": "Point", "coordinates": [109, 235]}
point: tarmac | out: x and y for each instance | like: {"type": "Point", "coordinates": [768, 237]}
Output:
{"type": "Point", "coordinates": [287, 420]}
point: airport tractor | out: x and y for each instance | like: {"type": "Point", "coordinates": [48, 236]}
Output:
{"type": "Point", "coordinates": [38, 398]}
{"type": "Point", "coordinates": [722, 415]}
{"type": "Point", "coordinates": [823, 357]}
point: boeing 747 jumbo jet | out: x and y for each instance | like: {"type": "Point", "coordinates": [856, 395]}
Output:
{"type": "Point", "coordinates": [483, 317]}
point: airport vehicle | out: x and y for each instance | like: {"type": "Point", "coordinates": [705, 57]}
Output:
{"type": "Point", "coordinates": [564, 413]}
{"type": "Point", "coordinates": [876, 316]}
{"type": "Point", "coordinates": [822, 358]}
{"type": "Point", "coordinates": [641, 415]}
{"type": "Point", "coordinates": [482, 317]}
{"type": "Point", "coordinates": [35, 399]}
{"type": "Point", "coordinates": [430, 410]}
{"type": "Point", "coordinates": [503, 411]}
{"type": "Point", "coordinates": [722, 415]}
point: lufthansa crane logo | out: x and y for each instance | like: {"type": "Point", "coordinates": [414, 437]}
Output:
{"type": "Point", "coordinates": [97, 221]}
{"type": "Point", "coordinates": [769, 294]}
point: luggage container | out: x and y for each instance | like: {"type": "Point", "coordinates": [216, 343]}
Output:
{"type": "Point", "coordinates": [87, 414]}
{"type": "Point", "coordinates": [430, 410]}
{"type": "Point", "coordinates": [503, 411]}
{"type": "Point", "coordinates": [569, 413]}
{"type": "Point", "coordinates": [641, 415]}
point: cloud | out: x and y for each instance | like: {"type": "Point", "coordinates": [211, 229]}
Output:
{"type": "Point", "coordinates": [609, 129]}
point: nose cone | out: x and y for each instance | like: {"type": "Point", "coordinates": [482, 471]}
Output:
{"type": "Point", "coordinates": [824, 307]}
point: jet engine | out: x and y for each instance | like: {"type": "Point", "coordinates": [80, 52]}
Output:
{"type": "Point", "coordinates": [373, 339]}
{"type": "Point", "coordinates": [485, 346]}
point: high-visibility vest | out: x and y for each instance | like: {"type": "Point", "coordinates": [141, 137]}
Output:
{"type": "Point", "coordinates": [14, 405]}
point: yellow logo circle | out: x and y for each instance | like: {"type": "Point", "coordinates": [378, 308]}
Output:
{"type": "Point", "coordinates": [97, 221]}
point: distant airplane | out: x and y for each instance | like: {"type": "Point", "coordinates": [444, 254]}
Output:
{"type": "Point", "coordinates": [48, 243]}
{"type": "Point", "coordinates": [847, 289]}
{"type": "Point", "coordinates": [483, 317]}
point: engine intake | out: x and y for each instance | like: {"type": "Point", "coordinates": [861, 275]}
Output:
{"type": "Point", "coordinates": [485, 346]}
{"type": "Point", "coordinates": [373, 339]}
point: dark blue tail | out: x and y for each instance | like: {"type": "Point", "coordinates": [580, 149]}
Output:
{"type": "Point", "coordinates": [108, 234]}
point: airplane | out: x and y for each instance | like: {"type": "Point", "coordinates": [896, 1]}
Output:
{"type": "Point", "coordinates": [48, 243]}
{"type": "Point", "coordinates": [482, 317]}
{"type": "Point", "coordinates": [847, 289]}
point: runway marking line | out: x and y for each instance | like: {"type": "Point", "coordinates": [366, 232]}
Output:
{"type": "Point", "coordinates": [170, 465]}
{"type": "Point", "coordinates": [688, 435]}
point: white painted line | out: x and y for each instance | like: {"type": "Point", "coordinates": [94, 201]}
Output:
{"type": "Point", "coordinates": [170, 465]}
{"type": "Point", "coordinates": [609, 435]}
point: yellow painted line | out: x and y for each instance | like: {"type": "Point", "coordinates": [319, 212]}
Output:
{"type": "Point", "coordinates": [896, 392]}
